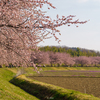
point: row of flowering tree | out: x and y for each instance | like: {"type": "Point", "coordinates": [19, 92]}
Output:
{"type": "Point", "coordinates": [24, 24]}
{"type": "Point", "coordinates": [49, 59]}
{"type": "Point", "coordinates": [63, 59]}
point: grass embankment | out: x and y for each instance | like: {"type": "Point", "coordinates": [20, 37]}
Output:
{"type": "Point", "coordinates": [49, 92]}
{"type": "Point", "coordinates": [9, 91]}
{"type": "Point", "coordinates": [45, 91]}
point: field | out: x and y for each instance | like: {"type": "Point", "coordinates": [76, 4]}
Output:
{"type": "Point", "coordinates": [85, 80]}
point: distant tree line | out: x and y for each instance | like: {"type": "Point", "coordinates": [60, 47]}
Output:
{"type": "Point", "coordinates": [50, 58]}
{"type": "Point", "coordinates": [72, 51]}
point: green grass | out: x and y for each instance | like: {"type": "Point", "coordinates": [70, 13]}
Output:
{"type": "Point", "coordinates": [8, 91]}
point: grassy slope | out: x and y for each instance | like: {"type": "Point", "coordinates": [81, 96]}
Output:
{"type": "Point", "coordinates": [9, 91]}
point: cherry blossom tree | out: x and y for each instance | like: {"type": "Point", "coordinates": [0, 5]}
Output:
{"type": "Point", "coordinates": [53, 58]}
{"type": "Point", "coordinates": [23, 24]}
{"type": "Point", "coordinates": [67, 59]}
{"type": "Point", "coordinates": [95, 61]}
{"type": "Point", "coordinates": [40, 58]}
{"type": "Point", "coordinates": [83, 60]}
{"type": "Point", "coordinates": [60, 58]}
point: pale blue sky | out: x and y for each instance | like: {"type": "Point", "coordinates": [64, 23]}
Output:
{"type": "Point", "coordinates": [86, 35]}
